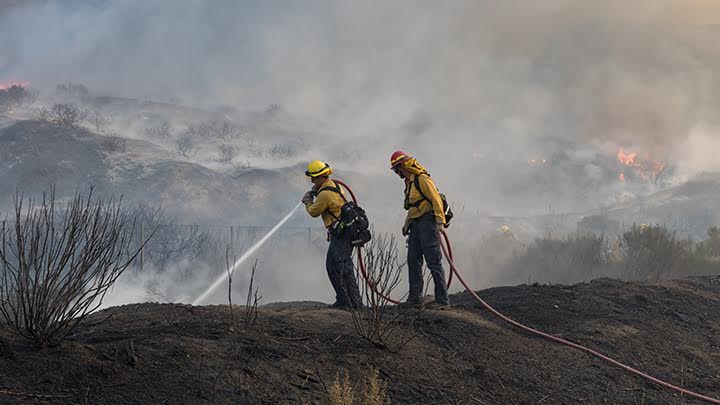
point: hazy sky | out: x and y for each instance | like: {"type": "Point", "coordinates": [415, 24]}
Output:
{"type": "Point", "coordinates": [462, 78]}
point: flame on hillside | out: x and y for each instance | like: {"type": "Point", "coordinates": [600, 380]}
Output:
{"type": "Point", "coordinates": [536, 162]}
{"type": "Point", "coordinates": [642, 168]}
{"type": "Point", "coordinates": [14, 83]}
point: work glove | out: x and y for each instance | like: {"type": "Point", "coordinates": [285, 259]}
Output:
{"type": "Point", "coordinates": [406, 228]}
{"type": "Point", "coordinates": [307, 198]}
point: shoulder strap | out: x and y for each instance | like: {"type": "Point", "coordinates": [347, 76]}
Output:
{"type": "Point", "coordinates": [416, 182]}
{"type": "Point", "coordinates": [417, 186]}
{"type": "Point", "coordinates": [335, 188]}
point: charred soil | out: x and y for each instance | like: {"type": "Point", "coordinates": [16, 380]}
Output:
{"type": "Point", "coordinates": [182, 354]}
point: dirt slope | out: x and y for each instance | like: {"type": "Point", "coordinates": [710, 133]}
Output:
{"type": "Point", "coordinates": [179, 354]}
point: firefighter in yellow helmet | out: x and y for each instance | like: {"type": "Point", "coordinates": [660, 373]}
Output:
{"type": "Point", "coordinates": [506, 233]}
{"type": "Point", "coordinates": [325, 200]}
{"type": "Point", "coordinates": [425, 218]}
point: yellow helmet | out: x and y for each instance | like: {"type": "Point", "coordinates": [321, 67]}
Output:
{"type": "Point", "coordinates": [318, 168]}
{"type": "Point", "coordinates": [504, 229]}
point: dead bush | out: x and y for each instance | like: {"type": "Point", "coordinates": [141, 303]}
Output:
{"type": "Point", "coordinates": [198, 131]}
{"type": "Point", "coordinates": [223, 130]}
{"type": "Point", "coordinates": [58, 262]}
{"type": "Point", "coordinates": [98, 120]}
{"type": "Point", "coordinates": [172, 242]}
{"type": "Point", "coordinates": [115, 143]}
{"type": "Point", "coordinates": [379, 322]}
{"type": "Point", "coordinates": [282, 151]}
{"type": "Point", "coordinates": [250, 311]}
{"type": "Point", "coordinates": [161, 131]}
{"type": "Point", "coordinates": [63, 115]}
{"type": "Point", "coordinates": [185, 146]}
{"type": "Point", "coordinates": [226, 153]}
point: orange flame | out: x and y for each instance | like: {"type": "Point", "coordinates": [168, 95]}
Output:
{"type": "Point", "coordinates": [626, 159]}
{"type": "Point", "coordinates": [645, 169]}
{"type": "Point", "coordinates": [536, 162]}
{"type": "Point", "coordinates": [11, 83]}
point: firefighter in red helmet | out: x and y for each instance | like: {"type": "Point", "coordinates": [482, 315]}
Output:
{"type": "Point", "coordinates": [425, 218]}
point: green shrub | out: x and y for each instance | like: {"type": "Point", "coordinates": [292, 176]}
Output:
{"type": "Point", "coordinates": [652, 252]}
{"type": "Point", "coordinates": [579, 256]}
{"type": "Point", "coordinates": [644, 252]}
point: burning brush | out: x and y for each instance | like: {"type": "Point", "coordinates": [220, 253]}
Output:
{"type": "Point", "coordinates": [644, 169]}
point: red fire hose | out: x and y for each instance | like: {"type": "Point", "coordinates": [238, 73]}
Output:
{"type": "Point", "coordinates": [361, 263]}
{"type": "Point", "coordinates": [563, 341]}
{"type": "Point", "coordinates": [447, 251]}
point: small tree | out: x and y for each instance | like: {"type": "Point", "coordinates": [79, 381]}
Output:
{"type": "Point", "coordinates": [63, 115]}
{"type": "Point", "coordinates": [98, 120]}
{"type": "Point", "coordinates": [17, 96]}
{"type": "Point", "coordinates": [58, 263]}
{"type": "Point", "coordinates": [651, 252]}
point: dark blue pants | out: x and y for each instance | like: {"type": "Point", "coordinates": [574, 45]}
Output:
{"type": "Point", "coordinates": [341, 272]}
{"type": "Point", "coordinates": [425, 242]}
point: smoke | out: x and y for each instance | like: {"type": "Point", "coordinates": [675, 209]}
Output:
{"type": "Point", "coordinates": [473, 88]}
{"type": "Point", "coordinates": [457, 78]}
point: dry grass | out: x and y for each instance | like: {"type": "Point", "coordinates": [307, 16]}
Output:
{"type": "Point", "coordinates": [371, 390]}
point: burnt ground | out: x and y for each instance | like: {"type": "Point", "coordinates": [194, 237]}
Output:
{"type": "Point", "coordinates": [180, 354]}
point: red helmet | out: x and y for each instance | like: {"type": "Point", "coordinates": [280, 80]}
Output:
{"type": "Point", "coordinates": [398, 157]}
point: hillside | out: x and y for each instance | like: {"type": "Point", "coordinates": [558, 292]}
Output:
{"type": "Point", "coordinates": [35, 155]}
{"type": "Point", "coordinates": [180, 354]}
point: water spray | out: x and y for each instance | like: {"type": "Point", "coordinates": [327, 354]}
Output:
{"type": "Point", "coordinates": [244, 257]}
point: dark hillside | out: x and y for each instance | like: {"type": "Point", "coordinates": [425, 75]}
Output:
{"type": "Point", "coordinates": [180, 354]}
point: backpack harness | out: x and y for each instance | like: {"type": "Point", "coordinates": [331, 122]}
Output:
{"type": "Point", "coordinates": [353, 220]}
{"type": "Point", "coordinates": [416, 181]}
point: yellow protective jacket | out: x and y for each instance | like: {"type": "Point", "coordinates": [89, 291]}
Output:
{"type": "Point", "coordinates": [327, 203]}
{"type": "Point", "coordinates": [419, 206]}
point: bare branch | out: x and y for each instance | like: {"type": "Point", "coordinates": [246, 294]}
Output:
{"type": "Point", "coordinates": [58, 263]}
{"type": "Point", "coordinates": [381, 324]}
